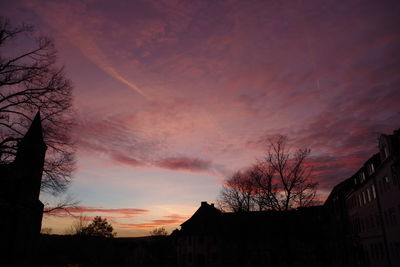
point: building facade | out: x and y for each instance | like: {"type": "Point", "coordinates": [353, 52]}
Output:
{"type": "Point", "coordinates": [365, 210]}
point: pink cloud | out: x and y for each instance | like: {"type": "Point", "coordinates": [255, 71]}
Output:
{"type": "Point", "coordinates": [184, 163]}
{"type": "Point", "coordinates": [112, 136]}
{"type": "Point", "coordinates": [126, 160]}
{"type": "Point", "coordinates": [126, 213]}
{"type": "Point", "coordinates": [221, 77]}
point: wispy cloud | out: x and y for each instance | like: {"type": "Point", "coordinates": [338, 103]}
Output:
{"type": "Point", "coordinates": [79, 210]}
{"type": "Point", "coordinates": [217, 78]}
{"type": "Point", "coordinates": [184, 163]}
{"type": "Point", "coordinates": [82, 32]}
{"type": "Point", "coordinates": [113, 137]}
{"type": "Point", "coordinates": [90, 49]}
{"type": "Point", "coordinates": [169, 220]}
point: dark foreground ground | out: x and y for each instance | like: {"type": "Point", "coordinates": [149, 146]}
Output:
{"type": "Point", "coordinates": [57, 250]}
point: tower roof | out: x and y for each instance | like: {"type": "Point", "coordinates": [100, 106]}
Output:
{"type": "Point", "coordinates": [33, 138]}
{"type": "Point", "coordinates": [35, 132]}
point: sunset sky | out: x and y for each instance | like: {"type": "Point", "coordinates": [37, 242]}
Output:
{"type": "Point", "coordinates": [173, 96]}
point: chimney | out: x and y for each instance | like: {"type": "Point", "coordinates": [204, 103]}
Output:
{"type": "Point", "coordinates": [204, 203]}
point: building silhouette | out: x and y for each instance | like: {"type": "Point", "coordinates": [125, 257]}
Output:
{"type": "Point", "coordinates": [365, 210]}
{"type": "Point", "coordinates": [358, 225]}
{"type": "Point", "coordinates": [264, 238]}
{"type": "Point", "coordinates": [20, 208]}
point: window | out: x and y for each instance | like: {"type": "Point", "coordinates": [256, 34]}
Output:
{"type": "Point", "coordinates": [371, 168]}
{"type": "Point", "coordinates": [386, 183]}
{"type": "Point", "coordinates": [368, 195]}
{"type": "Point", "coordinates": [373, 191]}
{"type": "Point", "coordinates": [362, 177]}
{"type": "Point", "coordinates": [384, 151]}
{"type": "Point", "coordinates": [364, 198]}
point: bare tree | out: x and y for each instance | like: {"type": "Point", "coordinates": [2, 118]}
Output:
{"type": "Point", "coordinates": [80, 223]}
{"type": "Point", "coordinates": [64, 204]}
{"type": "Point", "coordinates": [30, 80]}
{"type": "Point", "coordinates": [236, 193]}
{"type": "Point", "coordinates": [280, 181]}
{"type": "Point", "coordinates": [264, 190]}
{"type": "Point", "coordinates": [291, 184]}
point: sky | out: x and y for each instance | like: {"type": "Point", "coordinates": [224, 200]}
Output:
{"type": "Point", "coordinates": [172, 96]}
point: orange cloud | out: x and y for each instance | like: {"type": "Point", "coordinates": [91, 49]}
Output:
{"type": "Point", "coordinates": [170, 220]}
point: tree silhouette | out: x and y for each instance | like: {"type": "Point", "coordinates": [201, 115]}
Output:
{"type": "Point", "coordinates": [98, 227]}
{"type": "Point", "coordinates": [280, 181]}
{"type": "Point", "coordinates": [159, 232]}
{"type": "Point", "coordinates": [78, 225]}
{"type": "Point", "coordinates": [237, 193]}
{"type": "Point", "coordinates": [31, 80]}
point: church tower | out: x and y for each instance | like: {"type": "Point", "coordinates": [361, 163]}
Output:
{"type": "Point", "coordinates": [20, 208]}
{"type": "Point", "coordinates": [29, 161]}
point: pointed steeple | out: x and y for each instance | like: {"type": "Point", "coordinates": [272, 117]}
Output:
{"type": "Point", "coordinates": [33, 141]}
{"type": "Point", "coordinates": [35, 132]}
{"type": "Point", "coordinates": [29, 160]}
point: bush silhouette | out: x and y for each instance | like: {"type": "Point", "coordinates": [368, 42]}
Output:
{"type": "Point", "coordinates": [98, 227]}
